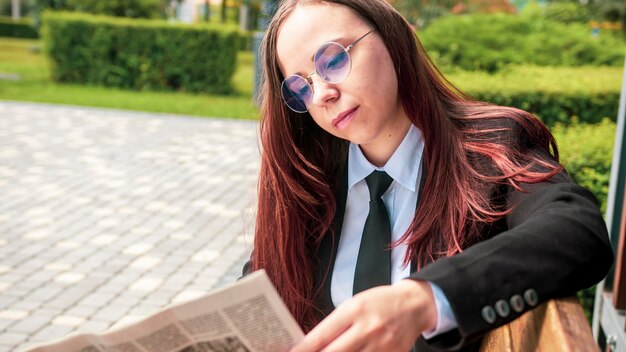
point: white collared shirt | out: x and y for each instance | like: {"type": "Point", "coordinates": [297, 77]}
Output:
{"type": "Point", "coordinates": [404, 167]}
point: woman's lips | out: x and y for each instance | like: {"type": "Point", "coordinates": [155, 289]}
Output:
{"type": "Point", "coordinates": [343, 120]}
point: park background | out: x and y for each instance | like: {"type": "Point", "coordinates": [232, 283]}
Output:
{"type": "Point", "coordinates": [562, 60]}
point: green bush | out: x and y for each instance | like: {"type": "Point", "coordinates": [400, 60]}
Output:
{"type": "Point", "coordinates": [491, 42]}
{"type": "Point", "coordinates": [566, 12]}
{"type": "Point", "coordinates": [120, 8]}
{"type": "Point", "coordinates": [245, 41]}
{"type": "Point", "coordinates": [140, 54]}
{"type": "Point", "coordinates": [554, 94]}
{"type": "Point", "coordinates": [22, 28]}
{"type": "Point", "coordinates": [587, 298]}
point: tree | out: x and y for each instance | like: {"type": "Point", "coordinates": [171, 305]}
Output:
{"type": "Point", "coordinates": [612, 10]}
{"type": "Point", "coordinates": [120, 8]}
{"type": "Point", "coordinates": [602, 10]}
{"type": "Point", "coordinates": [422, 12]}
{"type": "Point", "coordinates": [223, 11]}
{"type": "Point", "coordinates": [15, 9]}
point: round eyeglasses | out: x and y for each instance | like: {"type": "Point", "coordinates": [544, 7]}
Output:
{"type": "Point", "coordinates": [332, 63]}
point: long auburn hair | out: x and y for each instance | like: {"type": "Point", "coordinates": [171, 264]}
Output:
{"type": "Point", "coordinates": [300, 162]}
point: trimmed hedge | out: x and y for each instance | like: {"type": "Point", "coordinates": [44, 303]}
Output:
{"type": "Point", "coordinates": [23, 28]}
{"type": "Point", "coordinates": [490, 42]}
{"type": "Point", "coordinates": [119, 8]}
{"type": "Point", "coordinates": [245, 41]}
{"type": "Point", "coordinates": [554, 94]}
{"type": "Point", "coordinates": [139, 54]}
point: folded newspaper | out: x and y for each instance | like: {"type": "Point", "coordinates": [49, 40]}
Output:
{"type": "Point", "coordinates": [247, 316]}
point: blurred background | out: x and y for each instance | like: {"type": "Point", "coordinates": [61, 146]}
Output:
{"type": "Point", "coordinates": [562, 60]}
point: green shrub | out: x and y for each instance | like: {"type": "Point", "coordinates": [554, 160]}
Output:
{"type": "Point", "coordinates": [22, 28]}
{"type": "Point", "coordinates": [491, 42]}
{"type": "Point", "coordinates": [245, 41]}
{"type": "Point", "coordinates": [587, 298]}
{"type": "Point", "coordinates": [119, 8]}
{"type": "Point", "coordinates": [566, 12]}
{"type": "Point", "coordinates": [554, 94]}
{"type": "Point", "coordinates": [140, 54]}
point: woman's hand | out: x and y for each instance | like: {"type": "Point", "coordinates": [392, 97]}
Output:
{"type": "Point", "coordinates": [385, 318]}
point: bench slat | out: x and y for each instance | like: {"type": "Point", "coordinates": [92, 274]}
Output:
{"type": "Point", "coordinates": [557, 325]}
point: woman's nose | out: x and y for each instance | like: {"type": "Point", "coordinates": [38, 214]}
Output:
{"type": "Point", "coordinates": [323, 92]}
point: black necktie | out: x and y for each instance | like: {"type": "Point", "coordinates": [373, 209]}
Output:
{"type": "Point", "coordinates": [373, 265]}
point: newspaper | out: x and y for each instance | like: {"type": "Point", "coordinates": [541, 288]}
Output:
{"type": "Point", "coordinates": [247, 316]}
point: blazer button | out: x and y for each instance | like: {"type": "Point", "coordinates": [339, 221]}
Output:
{"type": "Point", "coordinates": [489, 314]}
{"type": "Point", "coordinates": [503, 309]}
{"type": "Point", "coordinates": [517, 303]}
{"type": "Point", "coordinates": [530, 296]}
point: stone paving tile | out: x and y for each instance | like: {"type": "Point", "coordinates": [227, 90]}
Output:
{"type": "Point", "coordinates": [9, 338]}
{"type": "Point", "coordinates": [47, 333]}
{"type": "Point", "coordinates": [93, 326]}
{"type": "Point", "coordinates": [30, 325]}
{"type": "Point", "coordinates": [106, 216]}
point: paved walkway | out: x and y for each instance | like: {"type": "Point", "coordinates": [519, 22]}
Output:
{"type": "Point", "coordinates": [107, 215]}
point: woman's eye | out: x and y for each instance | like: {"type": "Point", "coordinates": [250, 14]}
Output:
{"type": "Point", "coordinates": [336, 61]}
{"type": "Point", "coordinates": [303, 90]}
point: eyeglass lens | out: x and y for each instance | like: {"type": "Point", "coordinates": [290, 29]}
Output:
{"type": "Point", "coordinates": [332, 64]}
{"type": "Point", "coordinates": [297, 93]}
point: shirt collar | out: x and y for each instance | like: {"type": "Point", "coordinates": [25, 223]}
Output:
{"type": "Point", "coordinates": [403, 166]}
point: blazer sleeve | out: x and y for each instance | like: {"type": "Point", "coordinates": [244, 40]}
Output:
{"type": "Point", "coordinates": [555, 243]}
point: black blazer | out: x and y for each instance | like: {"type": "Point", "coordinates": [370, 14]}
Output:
{"type": "Point", "coordinates": [553, 243]}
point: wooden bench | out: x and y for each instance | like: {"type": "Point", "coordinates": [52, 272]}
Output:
{"type": "Point", "coordinates": [557, 325]}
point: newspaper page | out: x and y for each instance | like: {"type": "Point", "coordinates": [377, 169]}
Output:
{"type": "Point", "coordinates": [247, 316]}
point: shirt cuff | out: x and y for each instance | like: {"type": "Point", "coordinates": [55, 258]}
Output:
{"type": "Point", "coordinates": [445, 318]}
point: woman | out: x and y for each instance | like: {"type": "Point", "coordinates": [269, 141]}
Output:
{"type": "Point", "coordinates": [477, 212]}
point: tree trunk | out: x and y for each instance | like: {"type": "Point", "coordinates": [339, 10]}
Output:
{"type": "Point", "coordinates": [624, 23]}
{"type": "Point", "coordinates": [15, 10]}
{"type": "Point", "coordinates": [223, 13]}
{"type": "Point", "coordinates": [243, 17]}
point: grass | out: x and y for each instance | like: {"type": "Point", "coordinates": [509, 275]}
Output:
{"type": "Point", "coordinates": [25, 59]}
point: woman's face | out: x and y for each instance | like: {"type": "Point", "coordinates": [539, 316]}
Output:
{"type": "Point", "coordinates": [364, 108]}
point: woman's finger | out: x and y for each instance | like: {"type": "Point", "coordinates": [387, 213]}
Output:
{"type": "Point", "coordinates": [350, 341]}
{"type": "Point", "coordinates": [325, 332]}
